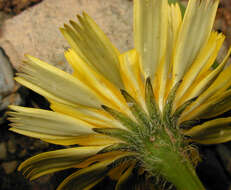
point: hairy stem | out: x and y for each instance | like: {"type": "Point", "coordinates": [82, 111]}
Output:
{"type": "Point", "coordinates": [166, 159]}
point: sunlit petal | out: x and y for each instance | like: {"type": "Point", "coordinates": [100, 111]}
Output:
{"type": "Point", "coordinates": [36, 74]}
{"type": "Point", "coordinates": [54, 161]}
{"type": "Point", "coordinates": [212, 132]}
{"type": "Point", "coordinates": [93, 46]}
{"type": "Point", "coordinates": [194, 33]}
{"type": "Point", "coordinates": [47, 123]}
{"type": "Point", "coordinates": [150, 33]}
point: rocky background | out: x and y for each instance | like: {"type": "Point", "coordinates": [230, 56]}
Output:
{"type": "Point", "coordinates": [27, 26]}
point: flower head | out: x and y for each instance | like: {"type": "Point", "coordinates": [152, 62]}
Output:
{"type": "Point", "coordinates": [138, 110]}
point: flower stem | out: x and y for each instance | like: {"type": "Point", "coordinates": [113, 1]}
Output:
{"type": "Point", "coordinates": [181, 173]}
{"type": "Point", "coordinates": [172, 165]}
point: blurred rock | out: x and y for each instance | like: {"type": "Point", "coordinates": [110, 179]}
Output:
{"type": "Point", "coordinates": [36, 30]}
{"type": "Point", "coordinates": [9, 167]}
{"type": "Point", "coordinates": [3, 152]}
{"type": "Point", "coordinates": [11, 99]}
{"type": "Point", "coordinates": [8, 87]}
{"type": "Point", "coordinates": [16, 6]}
{"type": "Point", "coordinates": [3, 17]}
{"type": "Point", "coordinates": [6, 75]}
{"type": "Point", "coordinates": [224, 13]}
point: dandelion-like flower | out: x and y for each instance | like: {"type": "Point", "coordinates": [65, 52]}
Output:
{"type": "Point", "coordinates": [135, 113]}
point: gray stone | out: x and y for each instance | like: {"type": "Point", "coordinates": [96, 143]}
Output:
{"type": "Point", "coordinates": [14, 98]}
{"type": "Point", "coordinates": [36, 30]}
{"type": "Point", "coordinates": [6, 75]}
{"type": "Point", "coordinates": [7, 85]}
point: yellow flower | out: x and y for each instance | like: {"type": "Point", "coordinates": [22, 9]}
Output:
{"type": "Point", "coordinates": [131, 111]}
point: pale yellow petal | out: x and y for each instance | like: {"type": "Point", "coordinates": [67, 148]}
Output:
{"type": "Point", "coordinates": [163, 74]}
{"type": "Point", "coordinates": [92, 45]}
{"type": "Point", "coordinates": [102, 157]}
{"type": "Point", "coordinates": [47, 123]}
{"type": "Point", "coordinates": [223, 105]}
{"type": "Point", "coordinates": [52, 138]}
{"type": "Point", "coordinates": [211, 132]}
{"type": "Point", "coordinates": [86, 176]}
{"type": "Point", "coordinates": [200, 66]}
{"type": "Point", "coordinates": [131, 75]}
{"type": "Point", "coordinates": [57, 83]}
{"type": "Point", "coordinates": [150, 33]}
{"type": "Point", "coordinates": [96, 117]}
{"type": "Point", "coordinates": [41, 91]}
{"type": "Point", "coordinates": [109, 94]}
{"type": "Point", "coordinates": [194, 33]}
{"type": "Point", "coordinates": [84, 140]}
{"type": "Point", "coordinates": [220, 84]}
{"type": "Point", "coordinates": [212, 107]}
{"type": "Point", "coordinates": [57, 160]}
